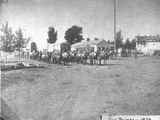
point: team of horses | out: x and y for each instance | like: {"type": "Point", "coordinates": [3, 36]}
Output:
{"type": "Point", "coordinates": [67, 57]}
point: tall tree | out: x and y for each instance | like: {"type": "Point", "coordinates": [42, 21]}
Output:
{"type": "Point", "coordinates": [127, 44]}
{"type": "Point", "coordinates": [20, 40]}
{"type": "Point", "coordinates": [52, 35]}
{"type": "Point", "coordinates": [73, 35]}
{"type": "Point", "coordinates": [11, 41]}
{"type": "Point", "coordinates": [119, 39]}
{"type": "Point", "coordinates": [33, 46]}
{"type": "Point", "coordinates": [7, 38]}
{"type": "Point", "coordinates": [141, 39]}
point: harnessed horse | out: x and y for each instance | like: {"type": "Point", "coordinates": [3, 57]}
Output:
{"type": "Point", "coordinates": [92, 57]}
{"type": "Point", "coordinates": [55, 57]}
{"type": "Point", "coordinates": [100, 57]}
{"type": "Point", "coordinates": [65, 57]}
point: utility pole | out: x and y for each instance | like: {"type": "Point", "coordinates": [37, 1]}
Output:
{"type": "Point", "coordinates": [115, 24]}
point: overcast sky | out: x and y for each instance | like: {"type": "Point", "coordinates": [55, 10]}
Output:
{"type": "Point", "coordinates": [95, 16]}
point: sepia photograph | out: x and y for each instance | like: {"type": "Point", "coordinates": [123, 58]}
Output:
{"type": "Point", "coordinates": [80, 59]}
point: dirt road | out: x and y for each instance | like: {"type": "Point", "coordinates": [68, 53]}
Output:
{"type": "Point", "coordinates": [83, 92]}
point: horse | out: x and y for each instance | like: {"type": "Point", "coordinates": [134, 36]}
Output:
{"type": "Point", "coordinates": [107, 56]}
{"type": "Point", "coordinates": [44, 57]}
{"type": "Point", "coordinates": [55, 57]}
{"type": "Point", "coordinates": [40, 55]}
{"type": "Point", "coordinates": [64, 57]}
{"type": "Point", "coordinates": [78, 57]}
{"type": "Point", "coordinates": [85, 57]}
{"type": "Point", "coordinates": [71, 56]}
{"type": "Point", "coordinates": [49, 56]}
{"type": "Point", "coordinates": [34, 55]}
{"type": "Point", "coordinates": [92, 57]}
{"type": "Point", "coordinates": [100, 57]}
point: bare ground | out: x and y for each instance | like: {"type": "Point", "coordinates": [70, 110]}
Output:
{"type": "Point", "coordinates": [82, 92]}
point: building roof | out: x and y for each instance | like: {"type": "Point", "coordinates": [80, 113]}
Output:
{"type": "Point", "coordinates": [98, 43]}
{"type": "Point", "coordinates": [105, 44]}
{"type": "Point", "coordinates": [55, 46]}
{"type": "Point", "coordinates": [148, 38]}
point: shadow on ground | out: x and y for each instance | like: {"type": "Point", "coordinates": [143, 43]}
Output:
{"type": "Point", "coordinates": [7, 113]}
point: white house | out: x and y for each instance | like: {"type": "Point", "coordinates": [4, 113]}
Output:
{"type": "Point", "coordinates": [55, 46]}
{"type": "Point", "coordinates": [148, 44]}
{"type": "Point", "coordinates": [92, 44]}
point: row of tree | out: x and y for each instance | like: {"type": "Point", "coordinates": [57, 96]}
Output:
{"type": "Point", "coordinates": [128, 44]}
{"type": "Point", "coordinates": [11, 41]}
